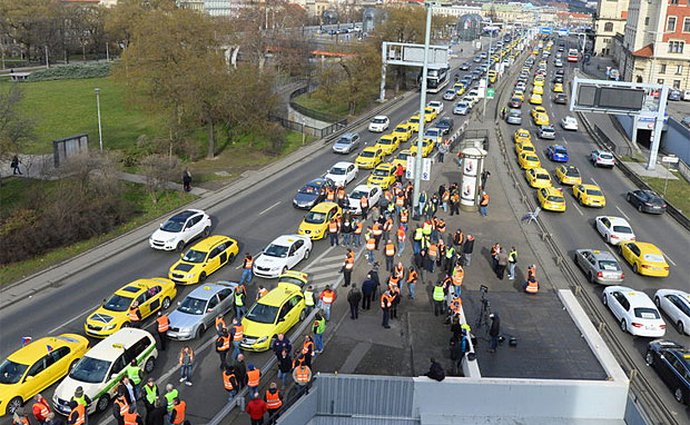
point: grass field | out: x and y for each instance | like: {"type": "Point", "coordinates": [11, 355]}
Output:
{"type": "Point", "coordinates": [67, 107]}
{"type": "Point", "coordinates": [308, 101]}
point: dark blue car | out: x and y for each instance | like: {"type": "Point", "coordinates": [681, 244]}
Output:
{"type": "Point", "coordinates": [557, 153]}
{"type": "Point", "coordinates": [311, 193]}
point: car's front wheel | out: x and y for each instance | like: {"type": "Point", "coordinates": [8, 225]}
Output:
{"type": "Point", "coordinates": [180, 246]}
{"type": "Point", "coordinates": [207, 231]}
{"type": "Point", "coordinates": [306, 255]}
{"type": "Point", "coordinates": [681, 328]}
{"type": "Point", "coordinates": [200, 331]}
{"type": "Point", "coordinates": [624, 326]}
{"type": "Point", "coordinates": [202, 277]}
{"type": "Point", "coordinates": [102, 403]}
{"type": "Point", "coordinates": [679, 395]}
{"type": "Point", "coordinates": [649, 358]}
{"type": "Point", "coordinates": [150, 364]}
{"type": "Point", "coordinates": [166, 303]}
{"type": "Point", "coordinates": [13, 405]}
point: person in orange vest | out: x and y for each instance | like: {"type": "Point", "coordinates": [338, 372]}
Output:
{"type": "Point", "coordinates": [273, 399]}
{"type": "Point", "coordinates": [247, 265]}
{"type": "Point", "coordinates": [163, 324]}
{"type": "Point", "coordinates": [222, 347]}
{"type": "Point", "coordinates": [340, 196]}
{"type": "Point", "coordinates": [19, 417]}
{"type": "Point", "coordinates": [77, 414]}
{"type": "Point", "coordinates": [236, 335]}
{"type": "Point", "coordinates": [456, 306]}
{"type": "Point", "coordinates": [484, 204]}
{"type": "Point", "coordinates": [404, 218]}
{"type": "Point", "coordinates": [253, 378]}
{"type": "Point", "coordinates": [41, 408]}
{"type": "Point", "coordinates": [364, 206]}
{"type": "Point", "coordinates": [301, 374]}
{"type": "Point", "coordinates": [371, 248]}
{"type": "Point", "coordinates": [220, 324]}
{"type": "Point", "coordinates": [412, 277]}
{"type": "Point", "coordinates": [120, 406]}
{"type": "Point", "coordinates": [387, 228]}
{"type": "Point", "coordinates": [395, 292]}
{"type": "Point", "coordinates": [377, 231]}
{"type": "Point", "coordinates": [308, 349]}
{"type": "Point", "coordinates": [132, 416]}
{"type": "Point", "coordinates": [456, 280]}
{"type": "Point", "coordinates": [333, 227]}
{"type": "Point", "coordinates": [230, 382]}
{"type": "Point", "coordinates": [390, 255]}
{"type": "Point", "coordinates": [177, 416]}
{"type": "Point", "coordinates": [401, 239]}
{"type": "Point", "coordinates": [532, 286]}
{"type": "Point", "coordinates": [432, 256]}
{"type": "Point", "coordinates": [386, 305]}
{"type": "Point", "coordinates": [358, 227]}
{"type": "Point", "coordinates": [330, 194]}
{"type": "Point", "coordinates": [399, 202]}
{"type": "Point", "coordinates": [532, 271]}
{"type": "Point", "coordinates": [326, 299]}
{"type": "Point", "coordinates": [134, 315]}
{"type": "Point", "coordinates": [347, 267]}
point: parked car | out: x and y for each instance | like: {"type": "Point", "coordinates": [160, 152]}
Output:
{"type": "Point", "coordinates": [674, 95]}
{"type": "Point", "coordinates": [614, 230]}
{"type": "Point", "coordinates": [670, 360]}
{"type": "Point", "coordinates": [346, 143]}
{"type": "Point", "coordinates": [600, 266]}
{"type": "Point", "coordinates": [312, 193]}
{"type": "Point", "coordinates": [445, 125]}
{"type": "Point", "coordinates": [449, 94]}
{"type": "Point", "coordinates": [646, 201]}
{"type": "Point", "coordinates": [342, 173]}
{"type": "Point", "coordinates": [465, 66]}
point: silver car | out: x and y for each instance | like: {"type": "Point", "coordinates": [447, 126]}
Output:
{"type": "Point", "coordinates": [514, 117]}
{"type": "Point", "coordinates": [198, 311]}
{"type": "Point", "coordinates": [346, 143]}
{"type": "Point", "coordinates": [600, 266]}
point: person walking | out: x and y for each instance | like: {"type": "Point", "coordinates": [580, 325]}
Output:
{"type": "Point", "coordinates": [390, 255]}
{"type": "Point", "coordinates": [502, 261]}
{"type": "Point", "coordinates": [187, 180]}
{"type": "Point", "coordinates": [240, 299]}
{"type": "Point", "coordinates": [284, 367]}
{"type": "Point", "coordinates": [281, 343]}
{"type": "Point", "coordinates": [484, 204]}
{"type": "Point", "coordinates": [494, 332]}
{"type": "Point", "coordinates": [163, 325]}
{"type": "Point", "coordinates": [186, 362]}
{"type": "Point", "coordinates": [247, 265]}
{"type": "Point", "coordinates": [347, 267]}
{"type": "Point", "coordinates": [222, 347]}
{"type": "Point", "coordinates": [273, 399]}
{"type": "Point", "coordinates": [256, 409]}
{"type": "Point", "coordinates": [308, 350]}
{"type": "Point", "coordinates": [439, 297]}
{"type": "Point", "coordinates": [368, 292]}
{"type": "Point", "coordinates": [377, 231]}
{"type": "Point", "coordinates": [253, 378]}
{"type": "Point", "coordinates": [467, 249]}
{"type": "Point", "coordinates": [236, 336]}
{"type": "Point", "coordinates": [309, 300]}
{"type": "Point", "coordinates": [354, 296]}
{"type": "Point", "coordinates": [401, 239]}
{"type": "Point", "coordinates": [318, 328]}
{"type": "Point", "coordinates": [386, 306]}
{"type": "Point", "coordinates": [220, 324]}
{"type": "Point", "coordinates": [454, 203]}
{"type": "Point", "coordinates": [442, 151]}
{"type": "Point", "coordinates": [327, 298]}
{"type": "Point", "coordinates": [495, 250]}
{"type": "Point", "coordinates": [484, 177]}
{"type": "Point", "coordinates": [512, 262]}
{"type": "Point", "coordinates": [412, 277]}
{"type": "Point", "coordinates": [230, 382]}
{"type": "Point", "coordinates": [77, 415]}
{"type": "Point", "coordinates": [41, 409]}
{"type": "Point", "coordinates": [14, 164]}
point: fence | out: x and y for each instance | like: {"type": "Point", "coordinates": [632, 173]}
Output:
{"type": "Point", "coordinates": [317, 115]}
{"type": "Point", "coordinates": [319, 133]}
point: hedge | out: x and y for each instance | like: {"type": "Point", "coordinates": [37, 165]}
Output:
{"type": "Point", "coordinates": [71, 72]}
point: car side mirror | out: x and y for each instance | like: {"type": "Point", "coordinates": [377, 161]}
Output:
{"type": "Point", "coordinates": [28, 378]}
{"type": "Point", "coordinates": [113, 376]}
{"type": "Point", "coordinates": [160, 226]}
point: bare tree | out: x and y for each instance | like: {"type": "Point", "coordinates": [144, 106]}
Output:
{"type": "Point", "coordinates": [15, 127]}
{"type": "Point", "coordinates": [159, 171]}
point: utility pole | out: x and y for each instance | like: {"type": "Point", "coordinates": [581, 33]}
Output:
{"type": "Point", "coordinates": [98, 108]}
{"type": "Point", "coordinates": [488, 62]}
{"type": "Point", "coordinates": [422, 105]}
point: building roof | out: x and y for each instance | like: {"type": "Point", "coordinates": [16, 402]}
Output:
{"type": "Point", "coordinates": [645, 52]}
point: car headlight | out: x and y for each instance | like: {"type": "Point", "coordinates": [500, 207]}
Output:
{"type": "Point", "coordinates": [190, 276]}
{"type": "Point", "coordinates": [185, 331]}
{"type": "Point", "coordinates": [273, 269]}
{"type": "Point", "coordinates": [109, 327]}
{"type": "Point", "coordinates": [261, 340]}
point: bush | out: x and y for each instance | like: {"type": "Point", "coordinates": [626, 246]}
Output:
{"type": "Point", "coordinates": [72, 72]}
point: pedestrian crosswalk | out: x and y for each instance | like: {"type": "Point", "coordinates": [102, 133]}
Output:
{"type": "Point", "coordinates": [325, 269]}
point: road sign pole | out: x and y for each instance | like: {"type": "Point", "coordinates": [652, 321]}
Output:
{"type": "Point", "coordinates": [658, 127]}
{"type": "Point", "coordinates": [422, 104]}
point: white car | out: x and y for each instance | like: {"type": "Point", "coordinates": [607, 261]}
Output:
{"type": "Point", "coordinates": [462, 108]}
{"type": "Point", "coordinates": [284, 253]}
{"type": "Point", "coordinates": [434, 134]}
{"type": "Point", "coordinates": [379, 124]}
{"type": "Point", "coordinates": [614, 229]}
{"type": "Point", "coordinates": [373, 194]}
{"type": "Point", "coordinates": [602, 158]}
{"type": "Point", "coordinates": [569, 123]}
{"type": "Point", "coordinates": [634, 311]}
{"type": "Point", "coordinates": [436, 106]}
{"type": "Point", "coordinates": [180, 229]}
{"type": "Point", "coordinates": [342, 173]}
{"type": "Point", "coordinates": [449, 94]}
{"type": "Point", "coordinates": [472, 96]}
{"type": "Point", "coordinates": [676, 305]}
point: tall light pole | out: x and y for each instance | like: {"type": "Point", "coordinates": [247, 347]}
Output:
{"type": "Point", "coordinates": [98, 108]}
{"type": "Point", "coordinates": [488, 63]}
{"type": "Point", "coordinates": [422, 105]}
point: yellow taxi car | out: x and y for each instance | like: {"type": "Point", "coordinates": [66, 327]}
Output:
{"type": "Point", "coordinates": [551, 199]}
{"type": "Point", "coordinates": [558, 88]}
{"type": "Point", "coordinates": [536, 99]}
{"type": "Point", "coordinates": [401, 158]}
{"type": "Point", "coordinates": [203, 258]}
{"type": "Point", "coordinates": [430, 114]}
{"type": "Point", "coordinates": [525, 147]}
{"type": "Point", "coordinates": [271, 315]}
{"type": "Point", "coordinates": [538, 81]}
{"type": "Point", "coordinates": [645, 258]}
{"type": "Point", "coordinates": [315, 223]}
{"type": "Point", "coordinates": [520, 94]}
{"type": "Point", "coordinates": [528, 160]}
{"type": "Point", "coordinates": [413, 123]}
{"type": "Point", "coordinates": [369, 158]}
{"type": "Point", "coordinates": [427, 147]}
{"type": "Point", "coordinates": [459, 89]}
{"type": "Point", "coordinates": [589, 195]}
{"type": "Point", "coordinates": [36, 366]}
{"type": "Point", "coordinates": [388, 144]}
{"type": "Point", "coordinates": [538, 90]}
{"type": "Point", "coordinates": [537, 110]}
{"type": "Point", "coordinates": [493, 75]}
{"type": "Point", "coordinates": [403, 132]}
{"type": "Point", "coordinates": [383, 175]}
{"type": "Point", "coordinates": [522, 135]}
{"type": "Point", "coordinates": [568, 175]}
{"type": "Point", "coordinates": [151, 295]}
{"type": "Point", "coordinates": [538, 177]}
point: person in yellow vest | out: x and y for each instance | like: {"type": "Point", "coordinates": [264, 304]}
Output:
{"type": "Point", "coordinates": [273, 399]}
{"type": "Point", "coordinates": [132, 417]}
{"type": "Point", "coordinates": [253, 378]}
{"type": "Point", "coordinates": [120, 406]}
{"type": "Point", "coordinates": [532, 286]}
{"type": "Point", "coordinates": [222, 347]}
{"type": "Point", "coordinates": [80, 397]}
{"type": "Point", "coordinates": [390, 255]}
{"type": "Point", "coordinates": [179, 412]}
{"type": "Point", "coordinates": [302, 375]}
{"type": "Point", "coordinates": [230, 382]}
{"type": "Point", "coordinates": [237, 335]}
{"type": "Point", "coordinates": [150, 392]}
{"type": "Point", "coordinates": [439, 295]}
{"type": "Point", "coordinates": [77, 414]}
{"type": "Point", "coordinates": [134, 315]}
{"type": "Point", "coordinates": [240, 301]}
{"type": "Point", "coordinates": [162, 327]}
{"type": "Point", "coordinates": [309, 302]}
{"type": "Point", "coordinates": [135, 375]}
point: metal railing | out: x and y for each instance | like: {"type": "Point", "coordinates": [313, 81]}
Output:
{"type": "Point", "coordinates": [299, 127]}
{"type": "Point", "coordinates": [311, 113]}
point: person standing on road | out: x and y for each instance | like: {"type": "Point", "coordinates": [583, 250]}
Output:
{"type": "Point", "coordinates": [353, 298]}
{"type": "Point", "coordinates": [327, 298]}
{"type": "Point", "coordinates": [364, 206]}
{"type": "Point", "coordinates": [467, 249]}
{"type": "Point", "coordinates": [163, 324]}
{"type": "Point", "coordinates": [494, 332]}
{"type": "Point", "coordinates": [401, 239]}
{"type": "Point", "coordinates": [179, 412]}
{"type": "Point", "coordinates": [273, 399]}
{"type": "Point", "coordinates": [41, 409]}
{"type": "Point", "coordinates": [357, 228]}
{"type": "Point", "coordinates": [439, 297]}
{"type": "Point", "coordinates": [390, 255]}
{"type": "Point", "coordinates": [501, 263]}
{"type": "Point", "coordinates": [377, 231]}
{"type": "Point", "coordinates": [135, 375]}
{"type": "Point", "coordinates": [132, 417]}
{"type": "Point", "coordinates": [170, 395]}
{"type": "Point", "coordinates": [256, 409]}
{"type": "Point", "coordinates": [454, 203]}
{"type": "Point", "coordinates": [484, 177]}
{"type": "Point", "coordinates": [386, 305]}
{"type": "Point", "coordinates": [512, 262]}
{"type": "Point", "coordinates": [442, 151]}
{"type": "Point", "coordinates": [346, 229]}
{"type": "Point", "coordinates": [333, 228]}
{"type": "Point", "coordinates": [484, 204]}
{"type": "Point", "coordinates": [347, 267]}
{"type": "Point", "coordinates": [241, 370]}
{"type": "Point", "coordinates": [236, 335]}
{"type": "Point", "coordinates": [368, 292]}
{"type": "Point", "coordinates": [230, 382]}
{"type": "Point", "coordinates": [186, 362]}
{"type": "Point", "coordinates": [495, 250]}
{"type": "Point", "coordinates": [187, 180]}
{"type": "Point", "coordinates": [120, 407]}
{"type": "Point", "coordinates": [134, 315]}
{"type": "Point", "coordinates": [318, 328]}
{"type": "Point", "coordinates": [222, 347]}
{"type": "Point", "coordinates": [412, 278]}
{"type": "Point", "coordinates": [157, 415]}
{"type": "Point", "coordinates": [150, 395]}
{"type": "Point", "coordinates": [253, 378]}
{"type": "Point", "coordinates": [308, 348]}
{"type": "Point", "coordinates": [370, 247]}
{"type": "Point", "coordinates": [281, 343]}
{"type": "Point", "coordinates": [309, 301]}
{"type": "Point", "coordinates": [284, 367]}
{"type": "Point", "coordinates": [240, 299]}
{"type": "Point", "coordinates": [247, 265]}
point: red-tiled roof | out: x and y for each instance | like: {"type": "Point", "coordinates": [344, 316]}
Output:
{"type": "Point", "coordinates": [645, 52]}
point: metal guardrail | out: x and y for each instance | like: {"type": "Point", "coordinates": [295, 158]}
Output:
{"type": "Point", "coordinates": [650, 403]}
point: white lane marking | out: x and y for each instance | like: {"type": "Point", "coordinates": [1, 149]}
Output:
{"type": "Point", "coordinates": [621, 211]}
{"type": "Point", "coordinates": [269, 208]}
{"type": "Point", "coordinates": [670, 259]}
{"type": "Point", "coordinates": [614, 253]}
{"type": "Point", "coordinates": [317, 259]}
{"type": "Point", "coordinates": [361, 180]}
{"type": "Point", "coordinates": [594, 181]}
{"type": "Point", "coordinates": [578, 208]}
{"type": "Point", "coordinates": [565, 141]}
{"type": "Point", "coordinates": [73, 319]}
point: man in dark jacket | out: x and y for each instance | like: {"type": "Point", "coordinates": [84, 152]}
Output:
{"type": "Point", "coordinates": [368, 292]}
{"type": "Point", "coordinates": [494, 332]}
{"type": "Point", "coordinates": [281, 343]}
{"type": "Point", "coordinates": [354, 296]}
{"type": "Point", "coordinates": [467, 249]}
{"type": "Point", "coordinates": [156, 416]}
{"type": "Point", "coordinates": [436, 371]}
{"type": "Point", "coordinates": [241, 370]}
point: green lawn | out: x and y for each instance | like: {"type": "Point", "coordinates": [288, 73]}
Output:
{"type": "Point", "coordinates": [677, 192]}
{"type": "Point", "coordinates": [339, 109]}
{"type": "Point", "coordinates": [67, 107]}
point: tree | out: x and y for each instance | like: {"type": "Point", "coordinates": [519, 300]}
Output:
{"type": "Point", "coordinates": [15, 127]}
{"type": "Point", "coordinates": [34, 24]}
{"type": "Point", "coordinates": [159, 170]}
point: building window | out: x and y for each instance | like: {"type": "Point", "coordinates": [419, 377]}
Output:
{"type": "Point", "coordinates": [675, 46]}
{"type": "Point", "coordinates": [676, 84]}
{"type": "Point", "coordinates": [674, 1]}
{"type": "Point", "coordinates": [686, 25]}
{"type": "Point", "coordinates": [608, 27]}
{"type": "Point", "coordinates": [679, 69]}
{"type": "Point", "coordinates": [660, 81]}
{"type": "Point", "coordinates": [662, 70]}
{"type": "Point", "coordinates": [671, 24]}
{"type": "Point", "coordinates": [646, 20]}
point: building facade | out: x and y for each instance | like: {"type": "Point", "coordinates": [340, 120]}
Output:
{"type": "Point", "coordinates": [609, 20]}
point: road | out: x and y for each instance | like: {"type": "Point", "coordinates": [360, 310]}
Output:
{"type": "Point", "coordinates": [254, 218]}
{"type": "Point", "coordinates": [574, 228]}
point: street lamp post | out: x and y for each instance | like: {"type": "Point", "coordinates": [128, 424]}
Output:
{"type": "Point", "coordinates": [98, 109]}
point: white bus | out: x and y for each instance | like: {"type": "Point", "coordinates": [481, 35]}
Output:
{"type": "Point", "coordinates": [436, 78]}
{"type": "Point", "coordinates": [572, 55]}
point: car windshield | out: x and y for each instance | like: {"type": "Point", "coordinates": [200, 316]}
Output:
{"type": "Point", "coordinates": [379, 121]}
{"type": "Point", "coordinates": [337, 171]}
{"type": "Point", "coordinates": [431, 133]}
{"type": "Point", "coordinates": [315, 217]}
{"type": "Point", "coordinates": [90, 370]}
{"type": "Point", "coordinates": [609, 266]}
{"type": "Point", "coordinates": [573, 172]}
{"type": "Point", "coordinates": [553, 198]}
{"type": "Point", "coordinates": [414, 120]}
{"type": "Point", "coordinates": [542, 176]}
{"type": "Point", "coordinates": [654, 258]}
{"type": "Point", "coordinates": [344, 141]}
{"type": "Point", "coordinates": [560, 151]}
{"type": "Point", "coordinates": [279, 251]}
{"type": "Point", "coordinates": [594, 192]}
{"type": "Point", "coordinates": [400, 130]}
{"type": "Point", "coordinates": [192, 305]}
{"type": "Point", "coordinates": [367, 154]}
{"type": "Point", "coordinates": [531, 158]}
{"type": "Point", "coordinates": [117, 303]}
{"type": "Point", "coordinates": [622, 229]}
{"type": "Point", "coordinates": [515, 113]}
{"type": "Point", "coordinates": [646, 313]}
{"type": "Point", "coordinates": [605, 156]}
{"type": "Point", "coordinates": [262, 313]}
{"type": "Point", "coordinates": [381, 173]}
{"type": "Point", "coordinates": [194, 256]}
{"type": "Point", "coordinates": [309, 190]}
{"type": "Point", "coordinates": [174, 224]}
{"type": "Point", "coordinates": [462, 105]}
{"type": "Point", "coordinates": [11, 372]}
{"type": "Point", "coordinates": [386, 141]}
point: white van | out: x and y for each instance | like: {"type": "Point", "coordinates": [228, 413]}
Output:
{"type": "Point", "coordinates": [102, 367]}
{"type": "Point", "coordinates": [686, 95]}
